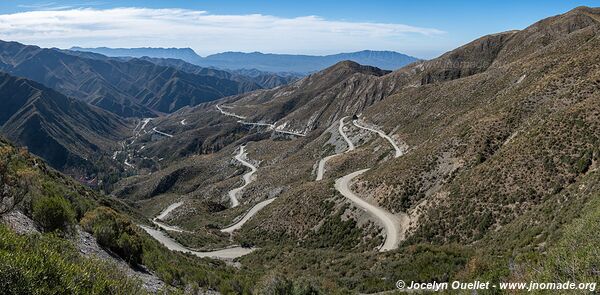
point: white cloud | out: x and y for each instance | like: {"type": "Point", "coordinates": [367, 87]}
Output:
{"type": "Point", "coordinates": [205, 32]}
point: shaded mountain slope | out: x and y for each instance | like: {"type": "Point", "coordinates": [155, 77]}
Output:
{"type": "Point", "coordinates": [66, 132]}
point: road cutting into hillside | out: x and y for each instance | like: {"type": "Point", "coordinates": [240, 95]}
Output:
{"type": "Point", "coordinates": [128, 164]}
{"type": "Point", "coordinates": [143, 123]}
{"type": "Point", "coordinates": [229, 114]}
{"type": "Point", "coordinates": [398, 150]}
{"type": "Point", "coordinates": [394, 225]}
{"type": "Point", "coordinates": [271, 127]}
{"type": "Point", "coordinates": [171, 244]}
{"type": "Point", "coordinates": [161, 133]}
{"type": "Point", "coordinates": [247, 177]}
{"type": "Point", "coordinates": [248, 216]}
{"type": "Point", "coordinates": [321, 166]}
{"type": "Point", "coordinates": [158, 220]}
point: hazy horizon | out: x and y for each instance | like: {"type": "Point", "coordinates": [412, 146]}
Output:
{"type": "Point", "coordinates": [309, 28]}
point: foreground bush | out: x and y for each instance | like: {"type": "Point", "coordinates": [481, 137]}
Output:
{"type": "Point", "coordinates": [576, 256]}
{"type": "Point", "coordinates": [53, 213]}
{"type": "Point", "coordinates": [47, 264]}
{"type": "Point", "coordinates": [115, 232]}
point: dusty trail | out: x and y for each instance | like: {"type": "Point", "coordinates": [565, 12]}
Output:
{"type": "Point", "coordinates": [171, 244]}
{"type": "Point", "coordinates": [321, 167]}
{"type": "Point", "coordinates": [158, 219]}
{"type": "Point", "coordinates": [161, 133]}
{"type": "Point", "coordinates": [128, 164]}
{"type": "Point", "coordinates": [226, 113]}
{"type": "Point", "coordinates": [398, 150]}
{"type": "Point", "coordinates": [143, 123]}
{"type": "Point", "coordinates": [271, 127]}
{"type": "Point", "coordinates": [394, 226]}
{"type": "Point", "coordinates": [234, 192]}
{"type": "Point", "coordinates": [247, 177]}
{"type": "Point", "coordinates": [248, 216]}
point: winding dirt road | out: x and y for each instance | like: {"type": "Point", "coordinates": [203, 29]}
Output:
{"type": "Point", "coordinates": [248, 216]}
{"type": "Point", "coordinates": [394, 226]}
{"type": "Point", "coordinates": [321, 167]}
{"type": "Point", "coordinates": [171, 244]}
{"type": "Point", "coordinates": [158, 219]}
{"type": "Point", "coordinates": [398, 150]}
{"type": "Point", "coordinates": [247, 177]}
{"type": "Point", "coordinates": [128, 164]}
{"type": "Point", "coordinates": [234, 192]}
{"type": "Point", "coordinates": [271, 127]}
{"type": "Point", "coordinates": [229, 114]}
{"type": "Point", "coordinates": [162, 133]}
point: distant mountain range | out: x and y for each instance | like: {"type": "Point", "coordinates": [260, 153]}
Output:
{"type": "Point", "coordinates": [304, 64]}
{"type": "Point", "coordinates": [263, 79]}
{"type": "Point", "coordinates": [127, 87]}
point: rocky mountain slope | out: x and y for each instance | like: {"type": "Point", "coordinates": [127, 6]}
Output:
{"type": "Point", "coordinates": [498, 168]}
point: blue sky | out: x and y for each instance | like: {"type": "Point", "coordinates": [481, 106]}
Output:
{"type": "Point", "coordinates": [422, 29]}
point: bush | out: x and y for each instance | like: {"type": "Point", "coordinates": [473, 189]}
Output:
{"type": "Point", "coordinates": [576, 256]}
{"type": "Point", "coordinates": [276, 285]}
{"type": "Point", "coordinates": [53, 213]}
{"type": "Point", "coordinates": [115, 232]}
{"type": "Point", "coordinates": [48, 264]}
{"type": "Point", "coordinates": [13, 280]}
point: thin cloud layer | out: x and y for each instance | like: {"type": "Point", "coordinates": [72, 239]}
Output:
{"type": "Point", "coordinates": [204, 32]}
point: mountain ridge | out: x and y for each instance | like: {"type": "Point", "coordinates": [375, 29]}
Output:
{"type": "Point", "coordinates": [270, 62]}
{"type": "Point", "coordinates": [135, 88]}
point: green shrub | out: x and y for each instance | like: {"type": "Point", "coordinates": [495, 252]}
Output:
{"type": "Point", "coordinates": [584, 163]}
{"type": "Point", "coordinates": [53, 213]}
{"type": "Point", "coordinates": [336, 233]}
{"type": "Point", "coordinates": [115, 232]}
{"type": "Point", "coordinates": [13, 280]}
{"type": "Point", "coordinates": [576, 256]}
{"type": "Point", "coordinates": [48, 264]}
{"type": "Point", "coordinates": [276, 285]}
